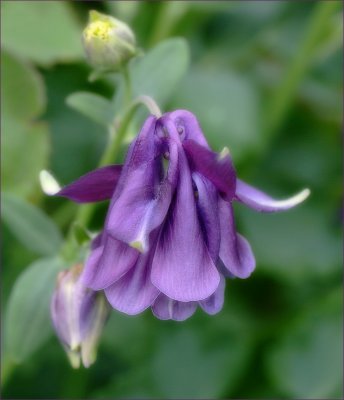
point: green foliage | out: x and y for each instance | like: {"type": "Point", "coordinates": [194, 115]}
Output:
{"type": "Point", "coordinates": [263, 79]}
{"type": "Point", "coordinates": [42, 32]}
{"type": "Point", "coordinates": [157, 73]}
{"type": "Point", "coordinates": [92, 106]}
{"type": "Point", "coordinates": [227, 105]}
{"type": "Point", "coordinates": [200, 370]}
{"type": "Point", "coordinates": [307, 360]}
{"type": "Point", "coordinates": [22, 135]}
{"type": "Point", "coordinates": [27, 321]}
{"type": "Point", "coordinates": [314, 250]}
{"type": "Point", "coordinates": [31, 226]}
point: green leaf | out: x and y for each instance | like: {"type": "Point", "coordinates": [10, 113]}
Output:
{"type": "Point", "coordinates": [22, 137]}
{"type": "Point", "coordinates": [296, 244]}
{"type": "Point", "coordinates": [79, 140]}
{"type": "Point", "coordinates": [30, 225]}
{"type": "Point", "coordinates": [226, 105]}
{"type": "Point", "coordinates": [307, 361]}
{"type": "Point", "coordinates": [184, 367]}
{"type": "Point", "coordinates": [157, 73]}
{"type": "Point", "coordinates": [44, 32]}
{"type": "Point", "coordinates": [25, 153]}
{"type": "Point", "coordinates": [93, 106]}
{"type": "Point", "coordinates": [27, 317]}
{"type": "Point", "coordinates": [22, 88]}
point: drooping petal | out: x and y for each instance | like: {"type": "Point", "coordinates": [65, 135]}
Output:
{"type": "Point", "coordinates": [213, 304]}
{"type": "Point", "coordinates": [95, 186]}
{"type": "Point", "coordinates": [87, 311]}
{"type": "Point", "coordinates": [187, 126]}
{"type": "Point", "coordinates": [143, 203]}
{"type": "Point", "coordinates": [260, 201]}
{"type": "Point", "coordinates": [208, 213]}
{"type": "Point", "coordinates": [235, 251]}
{"type": "Point", "coordinates": [58, 311]}
{"type": "Point", "coordinates": [67, 306]}
{"type": "Point", "coordinates": [165, 308]}
{"type": "Point", "coordinates": [134, 292]}
{"type": "Point", "coordinates": [218, 168]}
{"type": "Point", "coordinates": [182, 267]}
{"type": "Point", "coordinates": [108, 263]}
{"type": "Point", "coordinates": [99, 314]}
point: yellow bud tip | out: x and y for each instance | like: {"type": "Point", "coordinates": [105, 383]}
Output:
{"type": "Point", "coordinates": [138, 245]}
{"type": "Point", "coordinates": [98, 29]}
{"type": "Point", "coordinates": [94, 15]}
{"type": "Point", "coordinates": [224, 153]}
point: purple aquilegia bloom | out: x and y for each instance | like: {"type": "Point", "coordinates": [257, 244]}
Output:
{"type": "Point", "coordinates": [169, 238]}
{"type": "Point", "coordinates": [78, 315]}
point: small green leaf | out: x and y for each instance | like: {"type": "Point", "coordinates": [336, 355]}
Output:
{"type": "Point", "coordinates": [92, 106]}
{"type": "Point", "coordinates": [157, 73]}
{"type": "Point", "coordinates": [44, 32]}
{"type": "Point", "coordinates": [25, 153]}
{"type": "Point", "coordinates": [30, 225]}
{"type": "Point", "coordinates": [307, 361]}
{"type": "Point", "coordinates": [27, 317]}
{"type": "Point", "coordinates": [22, 88]}
{"type": "Point", "coordinates": [22, 136]}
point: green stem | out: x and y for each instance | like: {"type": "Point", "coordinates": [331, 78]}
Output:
{"type": "Point", "coordinates": [127, 85]}
{"type": "Point", "coordinates": [284, 94]}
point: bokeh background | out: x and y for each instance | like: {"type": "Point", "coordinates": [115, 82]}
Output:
{"type": "Point", "coordinates": [264, 79]}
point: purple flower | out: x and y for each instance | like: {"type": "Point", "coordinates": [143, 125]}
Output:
{"type": "Point", "coordinates": [78, 315]}
{"type": "Point", "coordinates": [169, 238]}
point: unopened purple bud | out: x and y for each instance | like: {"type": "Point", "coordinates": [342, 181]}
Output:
{"type": "Point", "coordinates": [78, 316]}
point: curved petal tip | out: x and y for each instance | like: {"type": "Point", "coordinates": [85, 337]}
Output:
{"type": "Point", "coordinates": [260, 201]}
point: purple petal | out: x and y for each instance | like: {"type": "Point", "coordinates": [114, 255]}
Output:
{"type": "Point", "coordinates": [143, 203]}
{"type": "Point", "coordinates": [165, 308]}
{"type": "Point", "coordinates": [235, 251]}
{"type": "Point", "coordinates": [260, 201]}
{"type": "Point", "coordinates": [68, 311]}
{"type": "Point", "coordinates": [95, 186]}
{"type": "Point", "coordinates": [87, 312]}
{"type": "Point", "coordinates": [182, 267]}
{"type": "Point", "coordinates": [134, 292]}
{"type": "Point", "coordinates": [208, 214]}
{"type": "Point", "coordinates": [97, 241]}
{"type": "Point", "coordinates": [58, 312]}
{"type": "Point", "coordinates": [213, 304]}
{"type": "Point", "coordinates": [187, 126]}
{"type": "Point", "coordinates": [108, 263]}
{"type": "Point", "coordinates": [218, 168]}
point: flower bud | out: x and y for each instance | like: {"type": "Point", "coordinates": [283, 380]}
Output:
{"type": "Point", "coordinates": [109, 43]}
{"type": "Point", "coordinates": [78, 316]}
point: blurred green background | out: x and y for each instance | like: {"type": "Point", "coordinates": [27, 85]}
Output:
{"type": "Point", "coordinates": [264, 79]}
